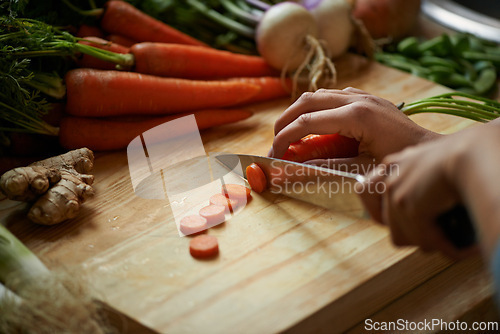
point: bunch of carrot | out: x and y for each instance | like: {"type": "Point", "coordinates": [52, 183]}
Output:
{"type": "Point", "coordinates": [171, 75]}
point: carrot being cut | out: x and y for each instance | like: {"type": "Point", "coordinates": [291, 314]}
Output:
{"type": "Point", "coordinates": [229, 204]}
{"type": "Point", "coordinates": [103, 134]}
{"type": "Point", "coordinates": [204, 246]}
{"type": "Point", "coordinates": [122, 40]}
{"type": "Point", "coordinates": [236, 191]}
{"type": "Point", "coordinates": [256, 178]}
{"type": "Point", "coordinates": [89, 61]}
{"type": "Point", "coordinates": [124, 19]}
{"type": "Point", "coordinates": [194, 62]}
{"type": "Point", "coordinates": [322, 147]}
{"type": "Point", "coordinates": [214, 214]}
{"type": "Point", "coordinates": [98, 93]}
{"type": "Point", "coordinates": [193, 224]}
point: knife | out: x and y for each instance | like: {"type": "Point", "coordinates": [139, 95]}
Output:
{"type": "Point", "coordinates": [334, 190]}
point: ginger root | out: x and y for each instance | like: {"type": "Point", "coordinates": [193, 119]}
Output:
{"type": "Point", "coordinates": [56, 186]}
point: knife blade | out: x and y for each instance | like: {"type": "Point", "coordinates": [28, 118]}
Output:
{"type": "Point", "coordinates": [334, 190]}
{"type": "Point", "coordinates": [328, 188]}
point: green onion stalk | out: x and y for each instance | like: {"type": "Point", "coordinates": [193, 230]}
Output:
{"type": "Point", "coordinates": [36, 300]}
{"type": "Point", "coordinates": [459, 104]}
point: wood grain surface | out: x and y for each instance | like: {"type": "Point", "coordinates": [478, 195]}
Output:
{"type": "Point", "coordinates": [284, 265]}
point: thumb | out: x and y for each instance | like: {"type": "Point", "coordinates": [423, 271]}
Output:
{"type": "Point", "coordinates": [371, 191]}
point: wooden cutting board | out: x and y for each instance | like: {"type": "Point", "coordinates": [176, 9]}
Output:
{"type": "Point", "coordinates": [283, 264]}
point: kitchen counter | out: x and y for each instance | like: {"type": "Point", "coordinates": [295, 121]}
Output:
{"type": "Point", "coordinates": [284, 265]}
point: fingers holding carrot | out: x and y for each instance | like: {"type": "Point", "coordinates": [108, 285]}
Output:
{"type": "Point", "coordinates": [322, 99]}
{"type": "Point", "coordinates": [379, 126]}
{"type": "Point", "coordinates": [323, 122]}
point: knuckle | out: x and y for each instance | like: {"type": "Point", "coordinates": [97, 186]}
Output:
{"type": "Point", "coordinates": [306, 97]}
{"type": "Point", "coordinates": [361, 110]}
{"type": "Point", "coordinates": [321, 91]}
{"type": "Point", "coordinates": [304, 120]}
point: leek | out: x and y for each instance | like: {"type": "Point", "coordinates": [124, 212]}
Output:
{"type": "Point", "coordinates": [34, 299]}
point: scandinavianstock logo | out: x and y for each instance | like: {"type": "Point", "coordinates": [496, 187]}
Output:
{"type": "Point", "coordinates": [169, 162]}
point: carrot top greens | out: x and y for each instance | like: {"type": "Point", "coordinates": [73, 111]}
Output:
{"type": "Point", "coordinates": [32, 38]}
{"type": "Point", "coordinates": [33, 58]}
{"type": "Point", "coordinates": [21, 105]}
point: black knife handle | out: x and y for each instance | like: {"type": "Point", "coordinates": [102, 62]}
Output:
{"type": "Point", "coordinates": [457, 227]}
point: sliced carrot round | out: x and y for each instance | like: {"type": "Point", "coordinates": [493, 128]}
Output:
{"type": "Point", "coordinates": [229, 204]}
{"type": "Point", "coordinates": [256, 178]}
{"type": "Point", "coordinates": [193, 224]}
{"type": "Point", "coordinates": [236, 191]}
{"type": "Point", "coordinates": [204, 246]}
{"type": "Point", "coordinates": [214, 214]}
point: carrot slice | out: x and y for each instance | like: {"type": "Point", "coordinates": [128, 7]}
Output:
{"type": "Point", "coordinates": [256, 178]}
{"type": "Point", "coordinates": [214, 214]}
{"type": "Point", "coordinates": [237, 191]}
{"type": "Point", "coordinates": [193, 224]}
{"type": "Point", "coordinates": [229, 204]}
{"type": "Point", "coordinates": [204, 246]}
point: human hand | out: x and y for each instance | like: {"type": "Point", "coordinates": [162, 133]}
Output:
{"type": "Point", "coordinates": [379, 126]}
{"type": "Point", "coordinates": [422, 182]}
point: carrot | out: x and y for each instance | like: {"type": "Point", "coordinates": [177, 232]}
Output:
{"type": "Point", "coordinates": [102, 134]}
{"type": "Point", "coordinates": [87, 30]}
{"type": "Point", "coordinates": [89, 61]}
{"type": "Point", "coordinates": [193, 224]}
{"type": "Point", "coordinates": [214, 214]}
{"type": "Point", "coordinates": [204, 246]}
{"type": "Point", "coordinates": [236, 191]}
{"type": "Point", "coordinates": [256, 178]}
{"type": "Point", "coordinates": [122, 40]}
{"type": "Point", "coordinates": [321, 147]}
{"type": "Point", "coordinates": [194, 62]}
{"type": "Point", "coordinates": [270, 88]}
{"type": "Point", "coordinates": [124, 19]}
{"type": "Point", "coordinates": [98, 93]}
{"type": "Point", "coordinates": [229, 204]}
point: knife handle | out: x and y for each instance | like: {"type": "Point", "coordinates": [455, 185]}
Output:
{"type": "Point", "coordinates": [457, 227]}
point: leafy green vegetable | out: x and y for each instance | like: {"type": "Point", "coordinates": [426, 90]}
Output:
{"type": "Point", "coordinates": [462, 61]}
